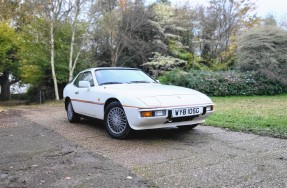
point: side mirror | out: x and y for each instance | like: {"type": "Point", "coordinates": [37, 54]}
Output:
{"type": "Point", "coordinates": [84, 84]}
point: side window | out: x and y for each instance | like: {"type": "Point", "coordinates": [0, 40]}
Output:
{"type": "Point", "coordinates": [79, 78]}
{"type": "Point", "coordinates": [88, 77]}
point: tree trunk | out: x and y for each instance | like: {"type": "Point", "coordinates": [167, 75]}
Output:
{"type": "Point", "coordinates": [53, 59]}
{"type": "Point", "coordinates": [71, 72]}
{"type": "Point", "coordinates": [71, 64]}
{"type": "Point", "coordinates": [5, 86]}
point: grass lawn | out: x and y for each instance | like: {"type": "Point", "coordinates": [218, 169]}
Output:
{"type": "Point", "coordinates": [265, 115]}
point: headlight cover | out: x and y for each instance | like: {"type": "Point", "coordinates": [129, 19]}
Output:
{"type": "Point", "coordinates": [209, 108]}
{"type": "Point", "coordinates": [155, 113]}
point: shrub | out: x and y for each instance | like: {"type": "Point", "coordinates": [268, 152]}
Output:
{"type": "Point", "coordinates": [224, 83]}
{"type": "Point", "coordinates": [19, 97]}
{"type": "Point", "coordinates": [159, 64]}
{"type": "Point", "coordinates": [263, 49]}
{"type": "Point", "coordinates": [37, 94]}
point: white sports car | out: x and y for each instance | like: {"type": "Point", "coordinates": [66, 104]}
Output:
{"type": "Point", "coordinates": [128, 99]}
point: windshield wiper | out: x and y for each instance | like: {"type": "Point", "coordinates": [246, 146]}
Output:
{"type": "Point", "coordinates": [106, 83]}
{"type": "Point", "coordinates": [140, 81]}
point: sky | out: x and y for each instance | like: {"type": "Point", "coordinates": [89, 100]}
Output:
{"type": "Point", "coordinates": [264, 7]}
{"type": "Point", "coordinates": [276, 7]}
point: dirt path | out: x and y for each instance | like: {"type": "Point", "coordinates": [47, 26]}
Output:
{"type": "Point", "coordinates": [203, 157]}
{"type": "Point", "coordinates": [34, 156]}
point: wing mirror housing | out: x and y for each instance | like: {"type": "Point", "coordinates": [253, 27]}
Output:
{"type": "Point", "coordinates": [84, 84]}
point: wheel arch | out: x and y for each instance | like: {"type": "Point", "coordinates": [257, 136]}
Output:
{"type": "Point", "coordinates": [109, 101]}
{"type": "Point", "coordinates": [127, 103]}
{"type": "Point", "coordinates": [67, 99]}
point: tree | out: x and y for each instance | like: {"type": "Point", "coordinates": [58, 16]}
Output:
{"type": "Point", "coordinates": [171, 27]}
{"type": "Point", "coordinates": [16, 12]}
{"type": "Point", "coordinates": [8, 9]}
{"type": "Point", "coordinates": [78, 30]}
{"type": "Point", "coordinates": [220, 22]}
{"type": "Point", "coordinates": [36, 67]}
{"type": "Point", "coordinates": [9, 59]}
{"type": "Point", "coordinates": [138, 35]}
{"type": "Point", "coordinates": [54, 11]}
{"type": "Point", "coordinates": [164, 1]}
{"type": "Point", "coordinates": [168, 29]}
{"type": "Point", "coordinates": [121, 34]}
{"type": "Point", "coordinates": [107, 29]}
{"type": "Point", "coordinates": [263, 49]}
{"type": "Point", "coordinates": [270, 20]}
{"type": "Point", "coordinates": [72, 62]}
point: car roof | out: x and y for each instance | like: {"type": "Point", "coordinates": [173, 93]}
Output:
{"type": "Point", "coordinates": [111, 68]}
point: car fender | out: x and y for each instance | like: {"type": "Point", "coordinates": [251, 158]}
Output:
{"type": "Point", "coordinates": [131, 105]}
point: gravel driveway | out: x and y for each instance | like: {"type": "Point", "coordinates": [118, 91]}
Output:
{"type": "Point", "coordinates": [34, 156]}
{"type": "Point", "coordinates": [203, 157]}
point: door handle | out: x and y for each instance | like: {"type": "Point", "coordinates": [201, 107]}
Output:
{"type": "Point", "coordinates": [77, 92]}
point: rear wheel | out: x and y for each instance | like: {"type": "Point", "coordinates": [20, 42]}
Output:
{"type": "Point", "coordinates": [187, 127]}
{"type": "Point", "coordinates": [72, 116]}
{"type": "Point", "coordinates": [116, 121]}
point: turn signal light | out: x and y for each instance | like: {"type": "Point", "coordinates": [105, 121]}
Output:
{"type": "Point", "coordinates": [146, 114]}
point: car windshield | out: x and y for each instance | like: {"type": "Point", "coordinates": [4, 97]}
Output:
{"type": "Point", "coordinates": [121, 76]}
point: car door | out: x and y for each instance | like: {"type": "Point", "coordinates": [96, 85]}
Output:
{"type": "Point", "coordinates": [87, 96]}
{"type": "Point", "coordinates": [74, 93]}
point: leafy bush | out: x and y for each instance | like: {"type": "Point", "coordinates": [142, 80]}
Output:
{"type": "Point", "coordinates": [225, 83]}
{"type": "Point", "coordinates": [263, 50]}
{"type": "Point", "coordinates": [19, 97]}
{"type": "Point", "coordinates": [37, 94]}
{"type": "Point", "coordinates": [159, 64]}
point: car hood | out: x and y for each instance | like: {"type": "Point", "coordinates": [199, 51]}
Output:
{"type": "Point", "coordinates": [158, 95]}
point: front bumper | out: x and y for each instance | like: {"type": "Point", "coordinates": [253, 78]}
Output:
{"type": "Point", "coordinates": [141, 123]}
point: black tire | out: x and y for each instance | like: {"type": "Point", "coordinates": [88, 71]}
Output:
{"type": "Point", "coordinates": [116, 121]}
{"type": "Point", "coordinates": [72, 116]}
{"type": "Point", "coordinates": [187, 127]}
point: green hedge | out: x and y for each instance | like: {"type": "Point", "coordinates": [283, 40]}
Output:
{"type": "Point", "coordinates": [224, 83]}
{"type": "Point", "coordinates": [19, 97]}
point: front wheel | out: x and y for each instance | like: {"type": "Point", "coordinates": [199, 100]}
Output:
{"type": "Point", "coordinates": [72, 116]}
{"type": "Point", "coordinates": [116, 121]}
